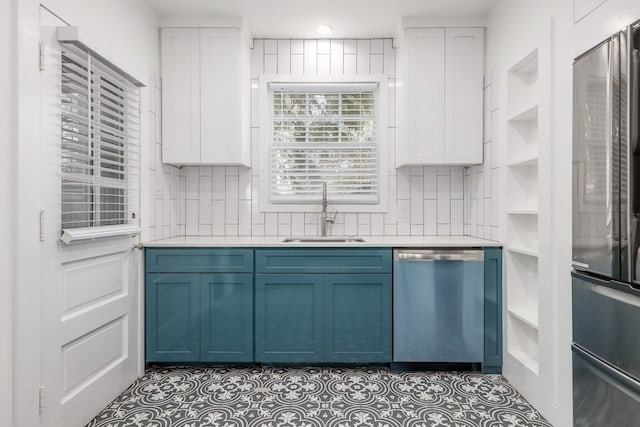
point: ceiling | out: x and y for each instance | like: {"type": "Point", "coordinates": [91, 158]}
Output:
{"type": "Point", "coordinates": [300, 18]}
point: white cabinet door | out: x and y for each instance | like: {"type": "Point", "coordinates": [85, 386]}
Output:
{"type": "Point", "coordinates": [424, 114]}
{"type": "Point", "coordinates": [180, 95]}
{"type": "Point", "coordinates": [440, 97]}
{"type": "Point", "coordinates": [464, 93]}
{"type": "Point", "coordinates": [220, 75]}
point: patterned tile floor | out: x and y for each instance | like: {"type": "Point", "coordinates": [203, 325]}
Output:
{"type": "Point", "coordinates": [315, 397]}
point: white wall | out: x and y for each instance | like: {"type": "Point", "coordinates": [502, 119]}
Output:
{"type": "Point", "coordinates": [7, 213]}
{"type": "Point", "coordinates": [223, 201]}
{"type": "Point", "coordinates": [481, 182]}
{"type": "Point", "coordinates": [514, 27]}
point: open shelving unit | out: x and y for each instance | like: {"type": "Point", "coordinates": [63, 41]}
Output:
{"type": "Point", "coordinates": [523, 195]}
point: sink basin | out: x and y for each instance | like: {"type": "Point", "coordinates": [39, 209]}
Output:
{"type": "Point", "coordinates": [320, 239]}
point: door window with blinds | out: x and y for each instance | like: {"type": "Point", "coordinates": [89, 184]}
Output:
{"type": "Point", "coordinates": [100, 127]}
{"type": "Point", "coordinates": [323, 133]}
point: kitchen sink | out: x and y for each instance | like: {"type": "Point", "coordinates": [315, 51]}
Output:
{"type": "Point", "coordinates": [320, 239]}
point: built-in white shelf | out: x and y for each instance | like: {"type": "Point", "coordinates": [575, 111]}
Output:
{"type": "Point", "coordinates": [526, 113]}
{"type": "Point", "coordinates": [522, 212]}
{"type": "Point", "coordinates": [523, 251]}
{"type": "Point", "coordinates": [525, 359]}
{"type": "Point", "coordinates": [529, 160]}
{"type": "Point", "coordinates": [525, 315]}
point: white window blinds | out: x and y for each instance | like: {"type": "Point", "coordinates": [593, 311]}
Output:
{"type": "Point", "coordinates": [324, 133]}
{"type": "Point", "coordinates": [99, 142]}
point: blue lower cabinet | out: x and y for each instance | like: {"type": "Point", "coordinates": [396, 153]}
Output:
{"type": "Point", "coordinates": [288, 318]}
{"type": "Point", "coordinates": [226, 310]}
{"type": "Point", "coordinates": [492, 311]}
{"type": "Point", "coordinates": [172, 317]}
{"type": "Point", "coordinates": [357, 318]}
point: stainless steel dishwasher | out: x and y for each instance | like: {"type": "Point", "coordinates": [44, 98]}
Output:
{"type": "Point", "coordinates": [438, 305]}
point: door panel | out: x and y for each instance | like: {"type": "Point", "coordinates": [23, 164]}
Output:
{"type": "Point", "coordinates": [227, 318]}
{"type": "Point", "coordinates": [172, 318]}
{"type": "Point", "coordinates": [357, 325]}
{"type": "Point", "coordinates": [288, 318]}
{"type": "Point", "coordinates": [595, 159]}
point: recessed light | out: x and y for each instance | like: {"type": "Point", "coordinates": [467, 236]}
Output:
{"type": "Point", "coordinates": [324, 29]}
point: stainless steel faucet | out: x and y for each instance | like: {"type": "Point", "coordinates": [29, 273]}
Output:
{"type": "Point", "coordinates": [325, 218]}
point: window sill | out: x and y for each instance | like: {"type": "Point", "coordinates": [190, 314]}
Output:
{"type": "Point", "coordinates": [91, 233]}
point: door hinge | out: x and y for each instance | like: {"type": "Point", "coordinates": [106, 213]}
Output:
{"type": "Point", "coordinates": [41, 399]}
{"type": "Point", "coordinates": [42, 56]}
{"type": "Point", "coordinates": [42, 225]}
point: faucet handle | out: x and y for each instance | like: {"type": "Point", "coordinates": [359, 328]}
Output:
{"type": "Point", "coordinates": [331, 219]}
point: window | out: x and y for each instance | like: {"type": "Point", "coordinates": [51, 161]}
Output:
{"type": "Point", "coordinates": [323, 132]}
{"type": "Point", "coordinates": [99, 142]}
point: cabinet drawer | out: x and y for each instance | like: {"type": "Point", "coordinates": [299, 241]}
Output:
{"type": "Point", "coordinates": [197, 260]}
{"type": "Point", "coordinates": [365, 260]}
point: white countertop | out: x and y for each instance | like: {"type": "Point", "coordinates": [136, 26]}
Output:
{"type": "Point", "coordinates": [394, 241]}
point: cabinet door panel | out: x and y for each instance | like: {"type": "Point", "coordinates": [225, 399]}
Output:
{"type": "Point", "coordinates": [464, 95]}
{"type": "Point", "coordinates": [357, 318]}
{"type": "Point", "coordinates": [220, 74]}
{"type": "Point", "coordinates": [172, 317]}
{"type": "Point", "coordinates": [288, 320]}
{"type": "Point", "coordinates": [180, 95]}
{"type": "Point", "coordinates": [425, 96]}
{"type": "Point", "coordinates": [492, 363]}
{"type": "Point", "coordinates": [227, 317]}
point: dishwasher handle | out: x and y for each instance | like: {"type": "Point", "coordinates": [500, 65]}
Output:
{"type": "Point", "coordinates": [438, 255]}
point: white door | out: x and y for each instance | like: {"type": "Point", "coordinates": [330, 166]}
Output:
{"type": "Point", "coordinates": [90, 293]}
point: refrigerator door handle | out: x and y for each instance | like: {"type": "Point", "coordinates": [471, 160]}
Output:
{"type": "Point", "coordinates": [634, 150]}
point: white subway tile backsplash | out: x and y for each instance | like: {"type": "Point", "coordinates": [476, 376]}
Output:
{"type": "Point", "coordinates": [271, 64]}
{"type": "Point", "coordinates": [297, 47]}
{"type": "Point", "coordinates": [364, 56]}
{"type": "Point", "coordinates": [324, 47]}
{"type": "Point", "coordinates": [377, 224]}
{"type": "Point", "coordinates": [377, 64]}
{"type": "Point", "coordinates": [430, 217]}
{"type": "Point", "coordinates": [284, 56]}
{"type": "Point", "coordinates": [297, 64]}
{"type": "Point", "coordinates": [417, 199]}
{"type": "Point", "coordinates": [350, 64]}
{"type": "Point", "coordinates": [224, 200]}
{"type": "Point", "coordinates": [191, 223]}
{"type": "Point", "coordinates": [350, 47]}
{"type": "Point", "coordinates": [337, 57]}
{"type": "Point", "coordinates": [457, 218]}
{"type": "Point", "coordinates": [270, 223]}
{"type": "Point", "coordinates": [404, 183]}
{"type": "Point", "coordinates": [324, 64]}
{"type": "Point", "coordinates": [297, 224]}
{"type": "Point", "coordinates": [244, 218]}
{"type": "Point", "coordinates": [350, 224]}
{"type": "Point", "coordinates": [390, 230]}
{"type": "Point", "coordinates": [310, 57]}
{"type": "Point", "coordinates": [271, 47]}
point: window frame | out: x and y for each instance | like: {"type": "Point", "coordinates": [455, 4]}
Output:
{"type": "Point", "coordinates": [266, 132]}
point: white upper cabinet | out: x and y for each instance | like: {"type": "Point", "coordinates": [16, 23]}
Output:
{"type": "Point", "coordinates": [205, 97]}
{"type": "Point", "coordinates": [439, 95]}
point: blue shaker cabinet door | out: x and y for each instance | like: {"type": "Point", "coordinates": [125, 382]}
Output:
{"type": "Point", "coordinates": [226, 318]}
{"type": "Point", "coordinates": [357, 314]}
{"type": "Point", "coordinates": [492, 311]}
{"type": "Point", "coordinates": [288, 318]}
{"type": "Point", "coordinates": [172, 317]}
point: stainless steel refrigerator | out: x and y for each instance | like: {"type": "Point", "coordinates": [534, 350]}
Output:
{"type": "Point", "coordinates": [606, 234]}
